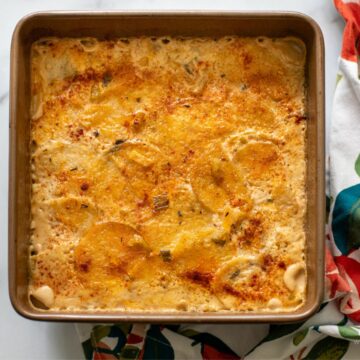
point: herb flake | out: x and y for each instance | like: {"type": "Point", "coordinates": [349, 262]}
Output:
{"type": "Point", "coordinates": [219, 242]}
{"type": "Point", "coordinates": [235, 274]}
{"type": "Point", "coordinates": [161, 202]}
{"type": "Point", "coordinates": [166, 255]}
{"type": "Point", "coordinates": [106, 79]}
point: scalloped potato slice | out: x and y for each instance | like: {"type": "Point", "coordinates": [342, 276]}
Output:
{"type": "Point", "coordinates": [125, 175]}
{"type": "Point", "coordinates": [237, 140]}
{"type": "Point", "coordinates": [67, 169]}
{"type": "Point", "coordinates": [233, 278]}
{"type": "Point", "coordinates": [107, 186]}
{"type": "Point", "coordinates": [74, 212]}
{"type": "Point", "coordinates": [107, 253]}
{"type": "Point", "coordinates": [95, 114]}
{"type": "Point", "coordinates": [138, 162]}
{"type": "Point", "coordinates": [44, 294]}
{"type": "Point", "coordinates": [202, 251]}
{"type": "Point", "coordinates": [113, 190]}
{"type": "Point", "coordinates": [284, 204]}
{"type": "Point", "coordinates": [182, 212]}
{"type": "Point", "coordinates": [57, 156]}
{"type": "Point", "coordinates": [291, 50]}
{"type": "Point", "coordinates": [237, 271]}
{"type": "Point", "coordinates": [136, 151]}
{"type": "Point", "coordinates": [261, 162]}
{"type": "Point", "coordinates": [295, 277]}
{"type": "Point", "coordinates": [218, 185]}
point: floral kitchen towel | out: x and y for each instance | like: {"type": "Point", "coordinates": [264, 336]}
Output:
{"type": "Point", "coordinates": [334, 332]}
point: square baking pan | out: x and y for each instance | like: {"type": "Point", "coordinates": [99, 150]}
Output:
{"type": "Point", "coordinates": [105, 25]}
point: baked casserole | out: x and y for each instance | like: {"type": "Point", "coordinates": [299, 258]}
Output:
{"type": "Point", "coordinates": [168, 173]}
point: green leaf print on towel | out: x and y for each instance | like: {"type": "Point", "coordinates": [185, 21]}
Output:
{"type": "Point", "coordinates": [357, 165]}
{"type": "Point", "coordinates": [328, 349]}
{"type": "Point", "coordinates": [349, 332]}
{"type": "Point", "coordinates": [99, 332]}
{"type": "Point", "coordinates": [300, 336]}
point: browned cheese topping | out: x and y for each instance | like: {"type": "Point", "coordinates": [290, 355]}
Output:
{"type": "Point", "coordinates": [168, 174]}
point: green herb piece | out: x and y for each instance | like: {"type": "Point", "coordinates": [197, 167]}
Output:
{"type": "Point", "coordinates": [219, 242]}
{"type": "Point", "coordinates": [235, 274]}
{"type": "Point", "coordinates": [188, 69]}
{"type": "Point", "coordinates": [119, 141]}
{"type": "Point", "coordinates": [161, 202]}
{"type": "Point", "coordinates": [106, 79]}
{"type": "Point", "coordinates": [165, 255]}
{"type": "Point", "coordinates": [357, 165]}
{"type": "Point", "coordinates": [300, 336]}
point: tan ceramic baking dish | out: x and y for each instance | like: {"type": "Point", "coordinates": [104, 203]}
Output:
{"type": "Point", "coordinates": [117, 24]}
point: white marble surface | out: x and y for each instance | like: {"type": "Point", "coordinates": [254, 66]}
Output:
{"type": "Point", "coordinates": [25, 339]}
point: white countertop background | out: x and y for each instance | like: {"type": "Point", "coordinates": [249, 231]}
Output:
{"type": "Point", "coordinates": [24, 339]}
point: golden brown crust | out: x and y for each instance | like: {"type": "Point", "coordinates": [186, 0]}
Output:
{"type": "Point", "coordinates": [168, 173]}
